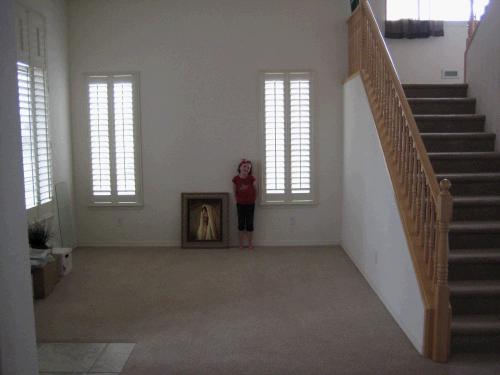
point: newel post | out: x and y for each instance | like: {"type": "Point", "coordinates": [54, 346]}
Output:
{"type": "Point", "coordinates": [441, 324]}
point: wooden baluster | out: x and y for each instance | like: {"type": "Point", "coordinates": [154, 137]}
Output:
{"type": "Point", "coordinates": [432, 242]}
{"type": "Point", "coordinates": [407, 160]}
{"type": "Point", "coordinates": [397, 154]}
{"type": "Point", "coordinates": [421, 210]}
{"type": "Point", "coordinates": [413, 185]}
{"type": "Point", "coordinates": [427, 220]}
{"type": "Point", "coordinates": [402, 143]}
{"type": "Point", "coordinates": [441, 341]}
{"type": "Point", "coordinates": [416, 197]}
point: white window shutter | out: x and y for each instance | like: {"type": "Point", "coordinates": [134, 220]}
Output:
{"type": "Point", "coordinates": [287, 138]}
{"type": "Point", "coordinates": [44, 160]}
{"type": "Point", "coordinates": [99, 138]}
{"type": "Point", "coordinates": [274, 120]}
{"type": "Point", "coordinates": [27, 135]}
{"type": "Point", "coordinates": [37, 39]}
{"type": "Point", "coordinates": [124, 137]}
{"type": "Point", "coordinates": [300, 135]}
{"type": "Point", "coordinates": [33, 111]}
{"type": "Point", "coordinates": [22, 40]}
{"type": "Point", "coordinates": [113, 121]}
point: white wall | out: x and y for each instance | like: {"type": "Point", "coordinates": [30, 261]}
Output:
{"type": "Point", "coordinates": [483, 69]}
{"type": "Point", "coordinates": [372, 232]}
{"type": "Point", "coordinates": [422, 60]}
{"type": "Point", "coordinates": [199, 63]}
{"type": "Point", "coordinates": [17, 328]}
{"type": "Point", "coordinates": [55, 14]}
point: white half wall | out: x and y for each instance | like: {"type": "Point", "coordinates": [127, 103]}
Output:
{"type": "Point", "coordinates": [483, 69]}
{"type": "Point", "coordinates": [17, 325]}
{"type": "Point", "coordinates": [199, 64]}
{"type": "Point", "coordinates": [372, 233]}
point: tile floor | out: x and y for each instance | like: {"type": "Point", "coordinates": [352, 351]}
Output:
{"type": "Point", "coordinates": [83, 358]}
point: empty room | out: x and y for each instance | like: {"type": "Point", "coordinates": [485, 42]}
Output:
{"type": "Point", "coordinates": [249, 187]}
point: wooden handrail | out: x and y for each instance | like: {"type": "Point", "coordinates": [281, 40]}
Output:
{"type": "Point", "coordinates": [424, 204]}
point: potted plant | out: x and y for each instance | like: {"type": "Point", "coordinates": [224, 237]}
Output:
{"type": "Point", "coordinates": [38, 235]}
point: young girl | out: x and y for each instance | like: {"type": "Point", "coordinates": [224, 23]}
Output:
{"type": "Point", "coordinates": [245, 192]}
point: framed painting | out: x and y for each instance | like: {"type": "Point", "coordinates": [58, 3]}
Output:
{"type": "Point", "coordinates": [205, 220]}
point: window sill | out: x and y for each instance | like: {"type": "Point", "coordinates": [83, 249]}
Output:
{"type": "Point", "coordinates": [292, 203]}
{"type": "Point", "coordinates": [41, 213]}
{"type": "Point", "coordinates": [117, 205]}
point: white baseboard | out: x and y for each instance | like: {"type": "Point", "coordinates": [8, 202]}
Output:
{"type": "Point", "coordinates": [178, 244]}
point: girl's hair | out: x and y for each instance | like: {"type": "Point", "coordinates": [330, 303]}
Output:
{"type": "Point", "coordinates": [245, 161]}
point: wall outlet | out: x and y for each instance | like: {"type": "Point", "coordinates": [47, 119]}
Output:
{"type": "Point", "coordinates": [292, 221]}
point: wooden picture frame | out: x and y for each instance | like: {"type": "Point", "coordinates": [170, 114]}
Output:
{"type": "Point", "coordinates": [205, 220]}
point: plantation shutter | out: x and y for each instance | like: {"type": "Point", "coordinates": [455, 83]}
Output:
{"type": "Point", "coordinates": [287, 138]}
{"type": "Point", "coordinates": [44, 163]}
{"type": "Point", "coordinates": [99, 138]}
{"type": "Point", "coordinates": [33, 108]}
{"type": "Point", "coordinates": [124, 136]}
{"type": "Point", "coordinates": [300, 134]}
{"type": "Point", "coordinates": [113, 134]}
{"type": "Point", "coordinates": [27, 135]}
{"type": "Point", "coordinates": [274, 112]}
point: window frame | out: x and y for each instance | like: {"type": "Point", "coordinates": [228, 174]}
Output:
{"type": "Point", "coordinates": [288, 198]}
{"type": "Point", "coordinates": [32, 52]}
{"type": "Point", "coordinates": [113, 199]}
{"type": "Point", "coordinates": [418, 18]}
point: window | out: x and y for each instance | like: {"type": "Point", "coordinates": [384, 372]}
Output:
{"type": "Point", "coordinates": [446, 10]}
{"type": "Point", "coordinates": [114, 134]}
{"type": "Point", "coordinates": [287, 176]}
{"type": "Point", "coordinates": [33, 112]}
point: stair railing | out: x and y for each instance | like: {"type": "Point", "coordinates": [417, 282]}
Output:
{"type": "Point", "coordinates": [425, 206]}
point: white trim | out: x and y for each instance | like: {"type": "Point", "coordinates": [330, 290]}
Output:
{"type": "Point", "coordinates": [286, 243]}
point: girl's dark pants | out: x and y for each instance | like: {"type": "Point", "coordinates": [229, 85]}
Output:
{"type": "Point", "coordinates": [245, 216]}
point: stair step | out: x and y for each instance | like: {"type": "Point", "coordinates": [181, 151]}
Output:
{"type": "Point", "coordinates": [474, 288]}
{"type": "Point", "coordinates": [435, 90]}
{"type": "Point", "coordinates": [465, 162]}
{"type": "Point", "coordinates": [450, 123]}
{"type": "Point", "coordinates": [478, 333]}
{"type": "Point", "coordinates": [472, 183]}
{"type": "Point", "coordinates": [483, 207]}
{"type": "Point", "coordinates": [475, 325]}
{"type": "Point", "coordinates": [474, 234]}
{"type": "Point", "coordinates": [476, 344]}
{"type": "Point", "coordinates": [474, 296]}
{"type": "Point", "coordinates": [442, 105]}
{"type": "Point", "coordinates": [459, 142]}
{"type": "Point", "coordinates": [482, 256]}
{"type": "Point", "coordinates": [474, 264]}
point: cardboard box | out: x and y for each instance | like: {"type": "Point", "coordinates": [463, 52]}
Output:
{"type": "Point", "coordinates": [64, 259]}
{"type": "Point", "coordinates": [44, 279]}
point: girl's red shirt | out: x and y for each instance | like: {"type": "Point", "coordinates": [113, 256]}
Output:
{"type": "Point", "coordinates": [245, 191]}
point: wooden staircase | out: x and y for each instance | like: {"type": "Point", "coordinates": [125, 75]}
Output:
{"type": "Point", "coordinates": [462, 152]}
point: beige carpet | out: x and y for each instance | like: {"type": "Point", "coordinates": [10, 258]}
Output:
{"type": "Point", "coordinates": [266, 311]}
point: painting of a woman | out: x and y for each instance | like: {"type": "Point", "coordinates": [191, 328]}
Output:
{"type": "Point", "coordinates": [205, 220]}
{"type": "Point", "coordinates": [207, 228]}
